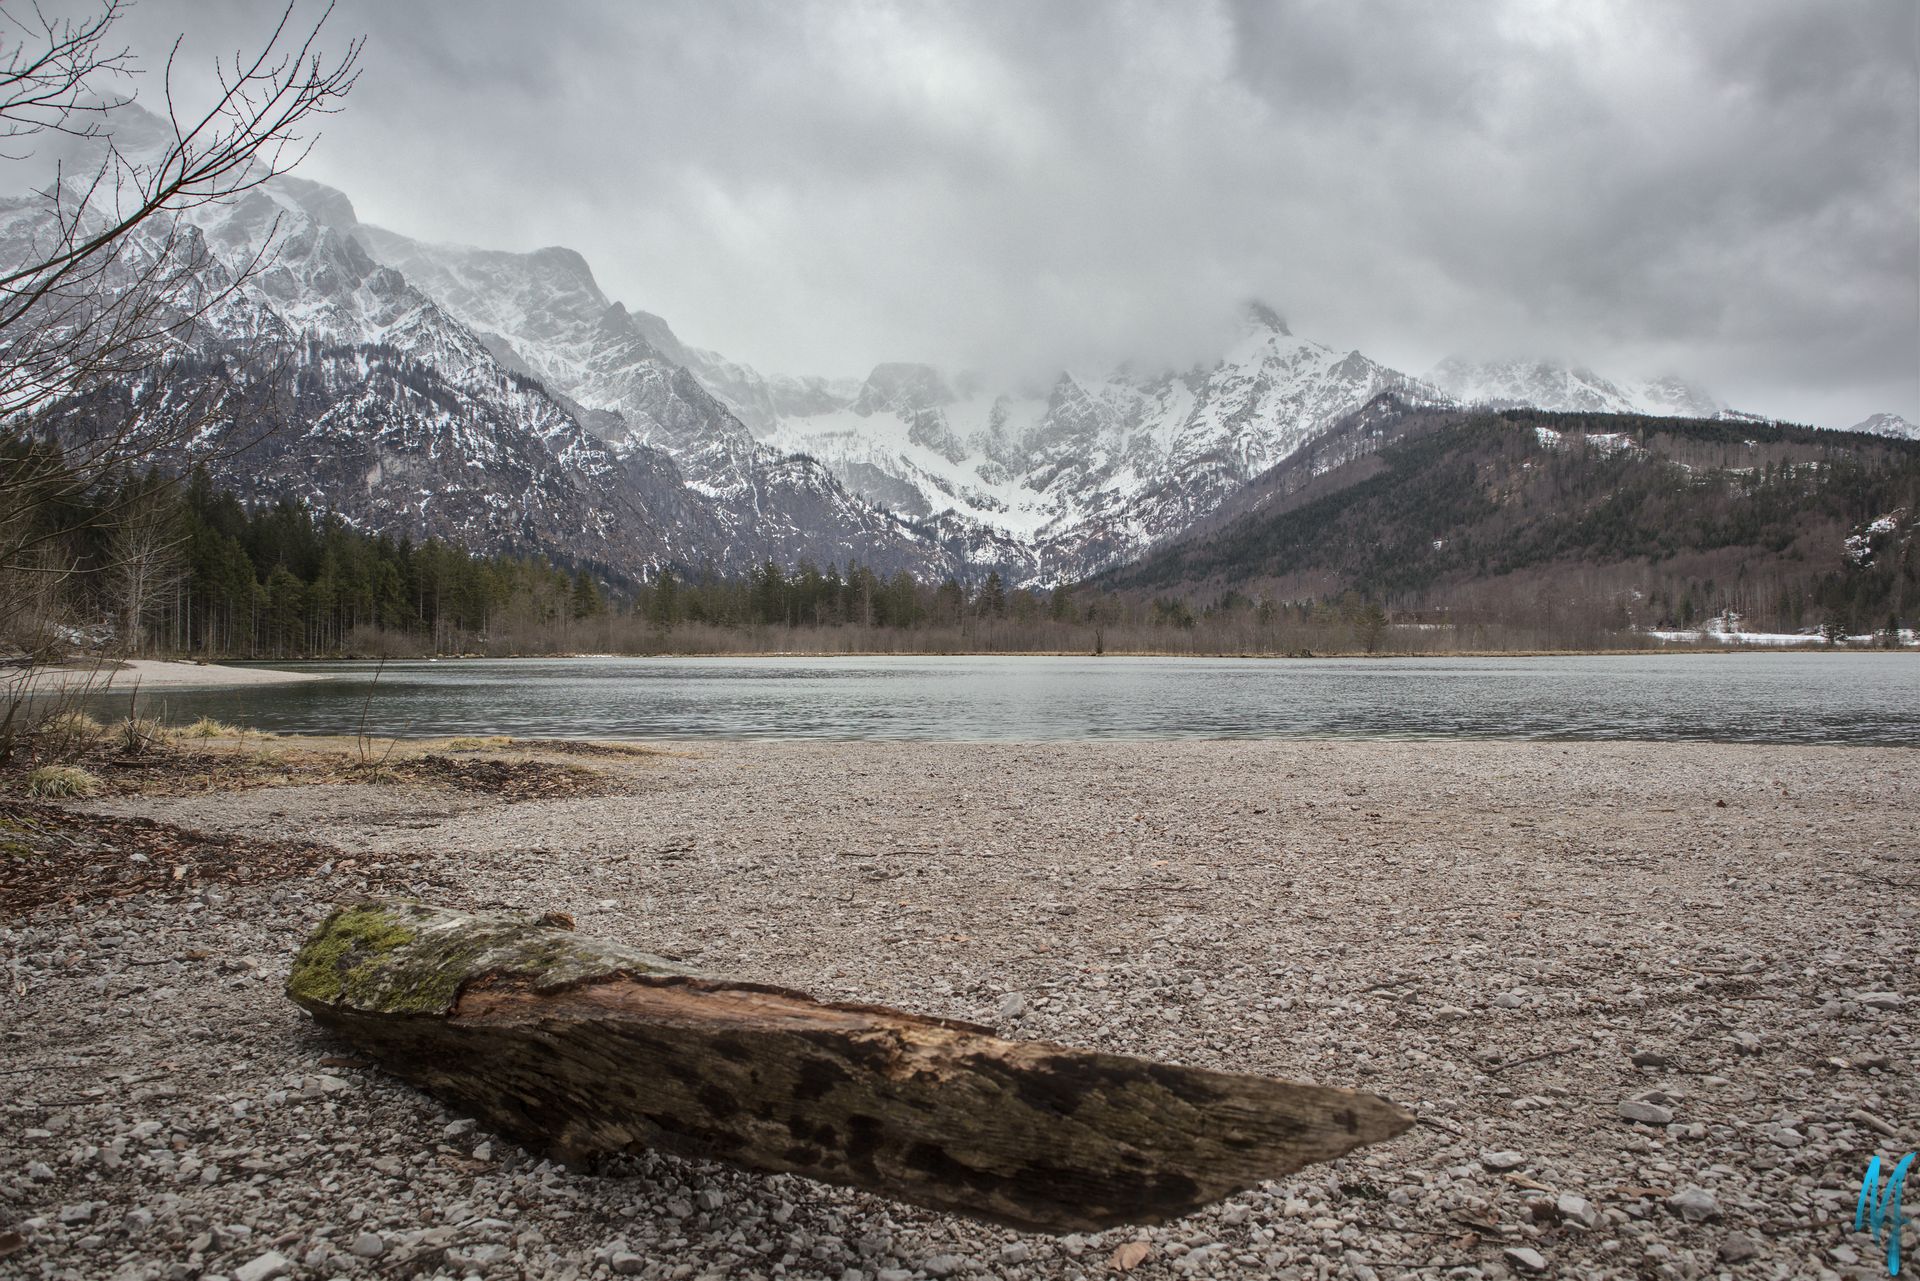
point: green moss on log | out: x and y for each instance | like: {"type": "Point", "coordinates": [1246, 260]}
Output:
{"type": "Point", "coordinates": [406, 958]}
{"type": "Point", "coordinates": [344, 954]}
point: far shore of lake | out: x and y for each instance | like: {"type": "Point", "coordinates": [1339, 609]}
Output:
{"type": "Point", "coordinates": [144, 673]}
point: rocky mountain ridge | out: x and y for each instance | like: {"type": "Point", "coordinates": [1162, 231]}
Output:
{"type": "Point", "coordinates": [450, 390]}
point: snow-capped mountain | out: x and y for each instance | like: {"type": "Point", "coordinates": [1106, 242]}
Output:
{"type": "Point", "coordinates": [361, 392]}
{"type": "Point", "coordinates": [503, 399]}
{"type": "Point", "coordinates": [1096, 468]}
{"type": "Point", "coordinates": [1539, 384]}
{"type": "Point", "coordinates": [1888, 425]}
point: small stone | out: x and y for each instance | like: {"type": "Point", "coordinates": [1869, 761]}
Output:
{"type": "Point", "coordinates": [1577, 1210]}
{"type": "Point", "coordinates": [1739, 1247]}
{"type": "Point", "coordinates": [708, 1199]}
{"type": "Point", "coordinates": [81, 1213]}
{"type": "Point", "coordinates": [1012, 1006]}
{"type": "Point", "coordinates": [1695, 1205]}
{"type": "Point", "coordinates": [1508, 1001]}
{"type": "Point", "coordinates": [1651, 1059]}
{"type": "Point", "coordinates": [1646, 1113]}
{"type": "Point", "coordinates": [460, 1129]}
{"type": "Point", "coordinates": [1450, 1013]}
{"type": "Point", "coordinates": [942, 1265]}
{"type": "Point", "coordinates": [368, 1245]}
{"type": "Point", "coordinates": [626, 1263]}
{"type": "Point", "coordinates": [1504, 1160]}
{"type": "Point", "coordinates": [478, 1257]}
{"type": "Point", "coordinates": [1786, 1138]}
{"type": "Point", "coordinates": [1881, 1000]}
{"type": "Point", "coordinates": [264, 1268]}
{"type": "Point", "coordinates": [1015, 1252]}
{"type": "Point", "coordinates": [1525, 1258]}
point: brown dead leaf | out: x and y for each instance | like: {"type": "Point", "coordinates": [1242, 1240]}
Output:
{"type": "Point", "coordinates": [1129, 1256]}
{"type": "Point", "coordinates": [11, 1243]}
{"type": "Point", "coordinates": [195, 954]}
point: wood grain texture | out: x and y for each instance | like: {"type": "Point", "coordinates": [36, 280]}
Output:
{"type": "Point", "coordinates": [579, 1048]}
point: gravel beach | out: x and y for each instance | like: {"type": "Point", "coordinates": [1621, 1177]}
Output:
{"type": "Point", "coordinates": [1654, 1004]}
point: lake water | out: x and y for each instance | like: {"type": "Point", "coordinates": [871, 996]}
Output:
{"type": "Point", "coordinates": [1752, 697]}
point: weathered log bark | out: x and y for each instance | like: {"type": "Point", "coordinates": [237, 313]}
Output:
{"type": "Point", "coordinates": [577, 1048]}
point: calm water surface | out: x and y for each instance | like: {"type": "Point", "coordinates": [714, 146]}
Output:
{"type": "Point", "coordinates": [1801, 698]}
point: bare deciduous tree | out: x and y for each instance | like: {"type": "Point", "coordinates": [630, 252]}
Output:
{"type": "Point", "coordinates": [103, 278]}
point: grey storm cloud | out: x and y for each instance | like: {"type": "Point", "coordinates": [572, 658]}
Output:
{"type": "Point", "coordinates": [1726, 189]}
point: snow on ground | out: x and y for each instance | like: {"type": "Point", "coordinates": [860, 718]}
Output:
{"type": "Point", "coordinates": [1906, 637]}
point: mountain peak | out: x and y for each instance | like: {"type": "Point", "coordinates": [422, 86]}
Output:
{"type": "Point", "coordinates": [1888, 425]}
{"type": "Point", "coordinates": [326, 205]}
{"type": "Point", "coordinates": [900, 386]}
{"type": "Point", "coordinates": [1260, 316]}
{"type": "Point", "coordinates": [566, 262]}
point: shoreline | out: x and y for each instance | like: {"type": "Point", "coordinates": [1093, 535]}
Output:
{"type": "Point", "coordinates": [120, 676]}
{"type": "Point", "coordinates": [241, 664]}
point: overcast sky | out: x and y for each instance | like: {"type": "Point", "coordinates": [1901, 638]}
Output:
{"type": "Point", "coordinates": [1727, 190]}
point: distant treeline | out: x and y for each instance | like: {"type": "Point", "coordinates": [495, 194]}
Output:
{"type": "Point", "coordinates": [150, 564]}
{"type": "Point", "coordinates": [1584, 525]}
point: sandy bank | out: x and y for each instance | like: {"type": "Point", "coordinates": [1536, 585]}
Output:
{"type": "Point", "coordinates": [1514, 939]}
{"type": "Point", "coordinates": [151, 673]}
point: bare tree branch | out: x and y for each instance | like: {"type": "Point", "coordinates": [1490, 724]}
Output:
{"type": "Point", "coordinates": [107, 287]}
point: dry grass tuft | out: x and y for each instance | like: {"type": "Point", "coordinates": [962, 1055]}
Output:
{"type": "Point", "coordinates": [58, 782]}
{"type": "Point", "coordinates": [207, 727]}
{"type": "Point", "coordinates": [478, 744]}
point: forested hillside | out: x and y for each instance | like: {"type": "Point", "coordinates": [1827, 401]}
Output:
{"type": "Point", "coordinates": [149, 564]}
{"type": "Point", "coordinates": [1522, 516]}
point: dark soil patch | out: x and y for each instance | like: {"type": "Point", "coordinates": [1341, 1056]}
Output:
{"type": "Point", "coordinates": [581, 747]}
{"type": "Point", "coordinates": [49, 854]}
{"type": "Point", "coordinates": [510, 780]}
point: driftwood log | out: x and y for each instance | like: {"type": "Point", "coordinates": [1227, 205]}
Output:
{"type": "Point", "coordinates": [577, 1048]}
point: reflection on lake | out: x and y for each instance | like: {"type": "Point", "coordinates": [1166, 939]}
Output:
{"type": "Point", "coordinates": [1798, 698]}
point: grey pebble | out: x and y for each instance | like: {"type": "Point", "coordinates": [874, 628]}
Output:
{"type": "Point", "coordinates": [1695, 1205]}
{"type": "Point", "coordinates": [1645, 1113]}
{"type": "Point", "coordinates": [266, 1267]}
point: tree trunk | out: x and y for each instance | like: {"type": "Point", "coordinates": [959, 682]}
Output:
{"type": "Point", "coordinates": [577, 1047]}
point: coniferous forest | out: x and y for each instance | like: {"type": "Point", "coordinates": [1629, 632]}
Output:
{"type": "Point", "coordinates": [1513, 533]}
